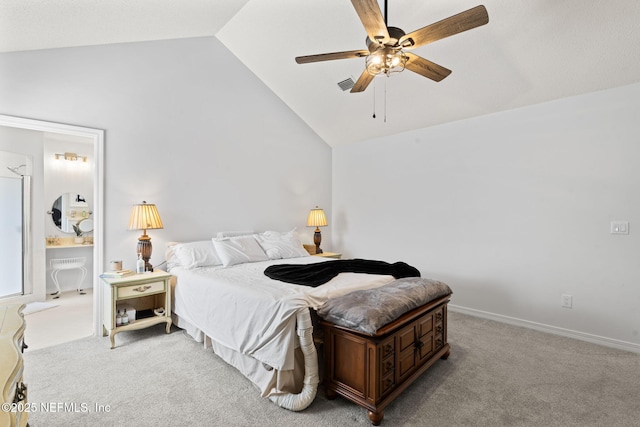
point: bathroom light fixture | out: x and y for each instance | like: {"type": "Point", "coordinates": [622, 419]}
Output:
{"type": "Point", "coordinates": [73, 157]}
{"type": "Point", "coordinates": [145, 217]}
{"type": "Point", "coordinates": [317, 219]}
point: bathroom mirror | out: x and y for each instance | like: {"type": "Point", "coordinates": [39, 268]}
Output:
{"type": "Point", "coordinates": [71, 209]}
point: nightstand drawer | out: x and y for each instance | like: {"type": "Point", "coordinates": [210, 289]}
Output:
{"type": "Point", "coordinates": [140, 289]}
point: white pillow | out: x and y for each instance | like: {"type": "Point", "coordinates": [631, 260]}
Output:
{"type": "Point", "coordinates": [239, 250]}
{"type": "Point", "coordinates": [223, 234]}
{"type": "Point", "coordinates": [170, 255]}
{"type": "Point", "coordinates": [196, 254]}
{"type": "Point", "coordinates": [282, 245]}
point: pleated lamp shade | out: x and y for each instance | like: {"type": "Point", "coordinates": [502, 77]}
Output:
{"type": "Point", "coordinates": [145, 216]}
{"type": "Point", "coordinates": [316, 218]}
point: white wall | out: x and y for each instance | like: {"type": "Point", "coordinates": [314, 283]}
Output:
{"type": "Point", "coordinates": [511, 209]}
{"type": "Point", "coordinates": [188, 128]}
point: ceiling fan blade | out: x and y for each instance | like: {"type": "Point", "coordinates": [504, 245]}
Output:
{"type": "Point", "coordinates": [362, 83]}
{"type": "Point", "coordinates": [426, 68]}
{"type": "Point", "coordinates": [455, 24]}
{"type": "Point", "coordinates": [331, 56]}
{"type": "Point", "coordinates": [371, 17]}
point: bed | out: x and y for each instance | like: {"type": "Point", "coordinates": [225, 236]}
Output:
{"type": "Point", "coordinates": [261, 326]}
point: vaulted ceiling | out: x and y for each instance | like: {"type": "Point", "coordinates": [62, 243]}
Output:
{"type": "Point", "coordinates": [529, 52]}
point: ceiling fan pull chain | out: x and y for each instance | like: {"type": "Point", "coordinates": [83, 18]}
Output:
{"type": "Point", "coordinates": [385, 100]}
{"type": "Point", "coordinates": [374, 98]}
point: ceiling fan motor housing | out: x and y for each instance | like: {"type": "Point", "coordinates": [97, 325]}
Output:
{"type": "Point", "coordinates": [394, 36]}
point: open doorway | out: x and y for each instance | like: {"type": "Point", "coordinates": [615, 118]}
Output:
{"type": "Point", "coordinates": [28, 137]}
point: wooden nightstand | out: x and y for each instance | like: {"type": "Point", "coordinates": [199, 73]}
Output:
{"type": "Point", "coordinates": [144, 292]}
{"type": "Point", "coordinates": [329, 255]}
{"type": "Point", "coordinates": [312, 251]}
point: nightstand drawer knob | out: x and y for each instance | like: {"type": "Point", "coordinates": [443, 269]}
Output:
{"type": "Point", "coordinates": [142, 288]}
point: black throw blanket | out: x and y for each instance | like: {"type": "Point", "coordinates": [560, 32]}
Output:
{"type": "Point", "coordinates": [319, 273]}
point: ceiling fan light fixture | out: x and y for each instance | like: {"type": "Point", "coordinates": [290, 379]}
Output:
{"type": "Point", "coordinates": [386, 61]}
{"type": "Point", "coordinates": [388, 48]}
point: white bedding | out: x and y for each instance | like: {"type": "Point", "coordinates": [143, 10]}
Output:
{"type": "Point", "coordinates": [242, 309]}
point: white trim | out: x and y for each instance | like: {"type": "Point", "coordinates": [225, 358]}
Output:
{"type": "Point", "coordinates": [97, 136]}
{"type": "Point", "coordinates": [569, 333]}
{"type": "Point", "coordinates": [98, 230]}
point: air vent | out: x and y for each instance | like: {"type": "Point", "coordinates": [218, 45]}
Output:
{"type": "Point", "coordinates": [346, 84]}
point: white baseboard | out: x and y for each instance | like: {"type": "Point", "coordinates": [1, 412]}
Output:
{"type": "Point", "coordinates": [595, 339]}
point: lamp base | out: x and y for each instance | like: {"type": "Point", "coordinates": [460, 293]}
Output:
{"type": "Point", "coordinates": [144, 249]}
{"type": "Point", "coordinates": [317, 238]}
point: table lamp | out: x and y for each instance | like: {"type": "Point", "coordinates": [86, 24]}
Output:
{"type": "Point", "coordinates": [317, 219]}
{"type": "Point", "coordinates": [145, 217]}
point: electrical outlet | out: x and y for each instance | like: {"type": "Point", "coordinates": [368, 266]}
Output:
{"type": "Point", "coordinates": [566, 301]}
{"type": "Point", "coordinates": [619, 227]}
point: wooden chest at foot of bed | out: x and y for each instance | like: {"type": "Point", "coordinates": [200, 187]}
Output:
{"type": "Point", "coordinates": [373, 370]}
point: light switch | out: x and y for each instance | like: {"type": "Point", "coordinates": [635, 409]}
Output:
{"type": "Point", "coordinates": [619, 227]}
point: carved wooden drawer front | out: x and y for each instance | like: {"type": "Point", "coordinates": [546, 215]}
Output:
{"type": "Point", "coordinates": [388, 348]}
{"type": "Point", "coordinates": [407, 350]}
{"type": "Point", "coordinates": [427, 348]}
{"type": "Point", "coordinates": [140, 290]}
{"type": "Point", "coordinates": [387, 384]}
{"type": "Point", "coordinates": [388, 365]}
{"type": "Point", "coordinates": [371, 371]}
{"type": "Point", "coordinates": [12, 388]}
{"type": "Point", "coordinates": [425, 326]}
{"type": "Point", "coordinates": [439, 332]}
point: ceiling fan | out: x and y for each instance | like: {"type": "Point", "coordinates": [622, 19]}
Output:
{"type": "Point", "coordinates": [387, 47]}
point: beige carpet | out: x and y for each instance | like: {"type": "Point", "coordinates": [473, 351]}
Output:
{"type": "Point", "coordinates": [34, 307]}
{"type": "Point", "coordinates": [69, 319]}
{"type": "Point", "coordinates": [497, 375]}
